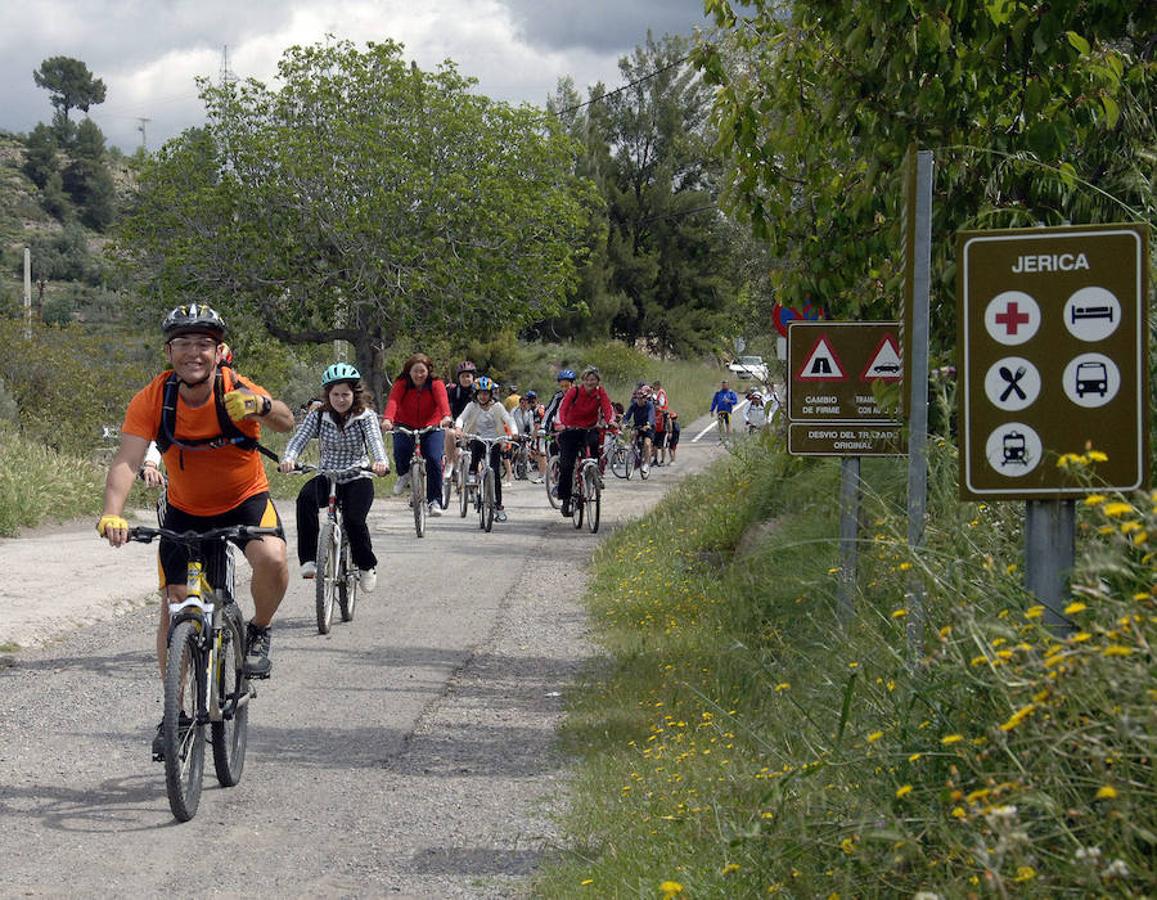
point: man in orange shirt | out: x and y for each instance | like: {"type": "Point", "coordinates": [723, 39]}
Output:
{"type": "Point", "coordinates": [215, 475]}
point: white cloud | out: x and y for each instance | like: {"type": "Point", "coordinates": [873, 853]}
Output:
{"type": "Point", "coordinates": [150, 51]}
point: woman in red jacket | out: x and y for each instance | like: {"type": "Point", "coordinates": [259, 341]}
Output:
{"type": "Point", "coordinates": [418, 400]}
{"type": "Point", "coordinates": [582, 411]}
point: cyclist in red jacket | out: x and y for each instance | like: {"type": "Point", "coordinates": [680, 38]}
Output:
{"type": "Point", "coordinates": [417, 400]}
{"type": "Point", "coordinates": [585, 409]}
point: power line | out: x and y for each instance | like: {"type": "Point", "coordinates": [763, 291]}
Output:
{"type": "Point", "coordinates": [626, 86]}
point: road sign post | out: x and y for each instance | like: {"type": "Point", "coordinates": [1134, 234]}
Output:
{"type": "Point", "coordinates": [849, 537]}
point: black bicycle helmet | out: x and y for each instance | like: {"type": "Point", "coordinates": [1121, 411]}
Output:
{"type": "Point", "coordinates": [196, 318]}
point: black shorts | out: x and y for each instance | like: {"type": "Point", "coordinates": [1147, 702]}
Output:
{"type": "Point", "coordinates": [174, 557]}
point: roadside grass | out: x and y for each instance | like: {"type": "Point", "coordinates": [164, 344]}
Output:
{"type": "Point", "coordinates": [737, 742]}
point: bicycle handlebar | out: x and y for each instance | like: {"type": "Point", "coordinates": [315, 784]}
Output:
{"type": "Point", "coordinates": [302, 468]}
{"type": "Point", "coordinates": [143, 534]}
{"type": "Point", "coordinates": [416, 432]}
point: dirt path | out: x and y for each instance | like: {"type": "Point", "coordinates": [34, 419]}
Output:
{"type": "Point", "coordinates": [410, 752]}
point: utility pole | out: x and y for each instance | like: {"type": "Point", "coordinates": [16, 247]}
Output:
{"type": "Point", "coordinates": [27, 294]}
{"type": "Point", "coordinates": [141, 128]}
{"type": "Point", "coordinates": [224, 76]}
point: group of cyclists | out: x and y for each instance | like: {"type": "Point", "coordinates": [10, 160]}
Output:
{"type": "Point", "coordinates": [758, 411]}
{"type": "Point", "coordinates": [204, 421]}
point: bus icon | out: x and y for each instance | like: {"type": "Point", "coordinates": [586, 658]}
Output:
{"type": "Point", "coordinates": [1092, 378]}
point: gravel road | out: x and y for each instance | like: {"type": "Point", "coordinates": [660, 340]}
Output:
{"type": "Point", "coordinates": [410, 752]}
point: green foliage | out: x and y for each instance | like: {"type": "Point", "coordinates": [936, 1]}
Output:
{"type": "Point", "coordinates": [40, 151]}
{"type": "Point", "coordinates": [38, 483]}
{"type": "Point", "coordinates": [90, 185]}
{"type": "Point", "coordinates": [364, 200]}
{"type": "Point", "coordinates": [62, 256]}
{"type": "Point", "coordinates": [741, 744]}
{"type": "Point", "coordinates": [658, 266]}
{"type": "Point", "coordinates": [1037, 114]}
{"type": "Point", "coordinates": [70, 84]}
{"type": "Point", "coordinates": [69, 383]}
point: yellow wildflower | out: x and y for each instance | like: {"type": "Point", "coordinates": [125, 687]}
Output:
{"type": "Point", "coordinates": [1095, 499]}
{"type": "Point", "coordinates": [899, 613]}
{"type": "Point", "coordinates": [1130, 526]}
{"type": "Point", "coordinates": [1017, 717]}
{"type": "Point", "coordinates": [1140, 537]}
{"type": "Point", "coordinates": [1024, 873]}
{"type": "Point", "coordinates": [914, 757]}
{"type": "Point", "coordinates": [1097, 456]}
{"type": "Point", "coordinates": [1034, 612]}
{"type": "Point", "coordinates": [1117, 650]}
{"type": "Point", "coordinates": [782, 686]}
{"type": "Point", "coordinates": [670, 889]}
{"type": "Point", "coordinates": [848, 845]}
{"type": "Point", "coordinates": [958, 812]}
{"type": "Point", "coordinates": [1117, 508]}
{"type": "Point", "coordinates": [875, 736]}
{"type": "Point", "coordinates": [586, 881]}
{"type": "Point", "coordinates": [1075, 607]}
{"type": "Point", "coordinates": [904, 790]}
{"type": "Point", "coordinates": [905, 566]}
{"type": "Point", "coordinates": [1080, 637]}
{"type": "Point", "coordinates": [949, 739]}
{"type": "Point", "coordinates": [1106, 792]}
{"type": "Point", "coordinates": [729, 868]}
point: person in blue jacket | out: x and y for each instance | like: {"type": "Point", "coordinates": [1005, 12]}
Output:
{"type": "Point", "coordinates": [641, 415]}
{"type": "Point", "coordinates": [722, 403]}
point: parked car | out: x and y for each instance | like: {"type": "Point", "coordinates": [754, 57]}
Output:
{"type": "Point", "coordinates": [749, 368]}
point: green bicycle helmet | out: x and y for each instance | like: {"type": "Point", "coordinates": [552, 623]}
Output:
{"type": "Point", "coordinates": [340, 372]}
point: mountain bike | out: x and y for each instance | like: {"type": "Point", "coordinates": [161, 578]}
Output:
{"type": "Point", "coordinates": [622, 458]}
{"type": "Point", "coordinates": [463, 474]}
{"type": "Point", "coordinates": [551, 478]}
{"type": "Point", "coordinates": [418, 475]}
{"type": "Point", "coordinates": [205, 667]}
{"type": "Point", "coordinates": [520, 463]}
{"type": "Point", "coordinates": [485, 498]}
{"type": "Point", "coordinates": [337, 576]}
{"type": "Point", "coordinates": [586, 499]}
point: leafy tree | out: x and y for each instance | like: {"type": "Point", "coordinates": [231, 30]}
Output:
{"type": "Point", "coordinates": [366, 200]}
{"type": "Point", "coordinates": [40, 150]}
{"type": "Point", "coordinates": [55, 201]}
{"type": "Point", "coordinates": [62, 256]}
{"type": "Point", "coordinates": [88, 142]}
{"type": "Point", "coordinates": [658, 267]}
{"type": "Point", "coordinates": [1037, 113]}
{"type": "Point", "coordinates": [70, 84]}
{"type": "Point", "coordinates": [91, 188]}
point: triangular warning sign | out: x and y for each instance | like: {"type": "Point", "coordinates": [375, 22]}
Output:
{"type": "Point", "coordinates": [885, 364]}
{"type": "Point", "coordinates": [821, 364]}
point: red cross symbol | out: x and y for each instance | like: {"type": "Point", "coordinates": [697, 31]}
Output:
{"type": "Point", "coordinates": [1012, 318]}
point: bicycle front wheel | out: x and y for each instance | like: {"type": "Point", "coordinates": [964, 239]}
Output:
{"type": "Point", "coordinates": [487, 508]}
{"type": "Point", "coordinates": [463, 486]}
{"type": "Point", "coordinates": [619, 462]}
{"type": "Point", "coordinates": [447, 485]}
{"type": "Point", "coordinates": [418, 495]}
{"type": "Point", "coordinates": [230, 735]}
{"type": "Point", "coordinates": [577, 500]}
{"type": "Point", "coordinates": [644, 469]}
{"type": "Point", "coordinates": [347, 582]}
{"type": "Point", "coordinates": [184, 742]}
{"type": "Point", "coordinates": [551, 481]}
{"type": "Point", "coordinates": [593, 497]}
{"type": "Point", "coordinates": [325, 582]}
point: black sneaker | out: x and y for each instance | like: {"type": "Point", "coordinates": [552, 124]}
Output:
{"type": "Point", "coordinates": [566, 512]}
{"type": "Point", "coordinates": [257, 664]}
{"type": "Point", "coordinates": [186, 722]}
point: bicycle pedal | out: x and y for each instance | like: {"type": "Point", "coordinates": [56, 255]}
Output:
{"type": "Point", "coordinates": [256, 676]}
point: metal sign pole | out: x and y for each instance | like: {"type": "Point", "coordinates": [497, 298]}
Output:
{"type": "Point", "coordinates": [27, 294]}
{"type": "Point", "coordinates": [1050, 535]}
{"type": "Point", "coordinates": [849, 537]}
{"type": "Point", "coordinates": [916, 349]}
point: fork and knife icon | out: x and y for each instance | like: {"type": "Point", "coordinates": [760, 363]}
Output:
{"type": "Point", "coordinates": [1013, 380]}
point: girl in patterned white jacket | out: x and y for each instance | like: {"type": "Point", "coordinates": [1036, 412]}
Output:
{"type": "Point", "coordinates": [487, 418]}
{"type": "Point", "coordinates": [348, 430]}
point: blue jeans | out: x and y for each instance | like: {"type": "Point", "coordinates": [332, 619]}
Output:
{"type": "Point", "coordinates": [433, 445]}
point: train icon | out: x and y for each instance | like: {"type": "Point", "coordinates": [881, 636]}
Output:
{"type": "Point", "coordinates": [1012, 449]}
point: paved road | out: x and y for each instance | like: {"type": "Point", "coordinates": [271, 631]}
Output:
{"type": "Point", "coordinates": [409, 752]}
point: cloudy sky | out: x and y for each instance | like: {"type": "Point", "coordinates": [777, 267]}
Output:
{"type": "Point", "coordinates": [149, 51]}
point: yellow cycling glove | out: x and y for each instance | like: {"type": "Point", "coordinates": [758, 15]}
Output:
{"type": "Point", "coordinates": [113, 522]}
{"type": "Point", "coordinates": [240, 404]}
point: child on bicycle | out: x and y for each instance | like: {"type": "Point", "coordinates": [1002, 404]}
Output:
{"type": "Point", "coordinates": [349, 434]}
{"type": "Point", "coordinates": [487, 418]}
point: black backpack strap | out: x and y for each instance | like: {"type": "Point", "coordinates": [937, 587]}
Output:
{"type": "Point", "coordinates": [230, 433]}
{"type": "Point", "coordinates": [166, 432]}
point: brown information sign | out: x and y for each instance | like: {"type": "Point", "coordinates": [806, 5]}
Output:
{"type": "Point", "coordinates": [1052, 349]}
{"type": "Point", "coordinates": [831, 408]}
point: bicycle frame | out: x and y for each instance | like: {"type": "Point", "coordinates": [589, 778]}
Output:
{"type": "Point", "coordinates": [418, 474]}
